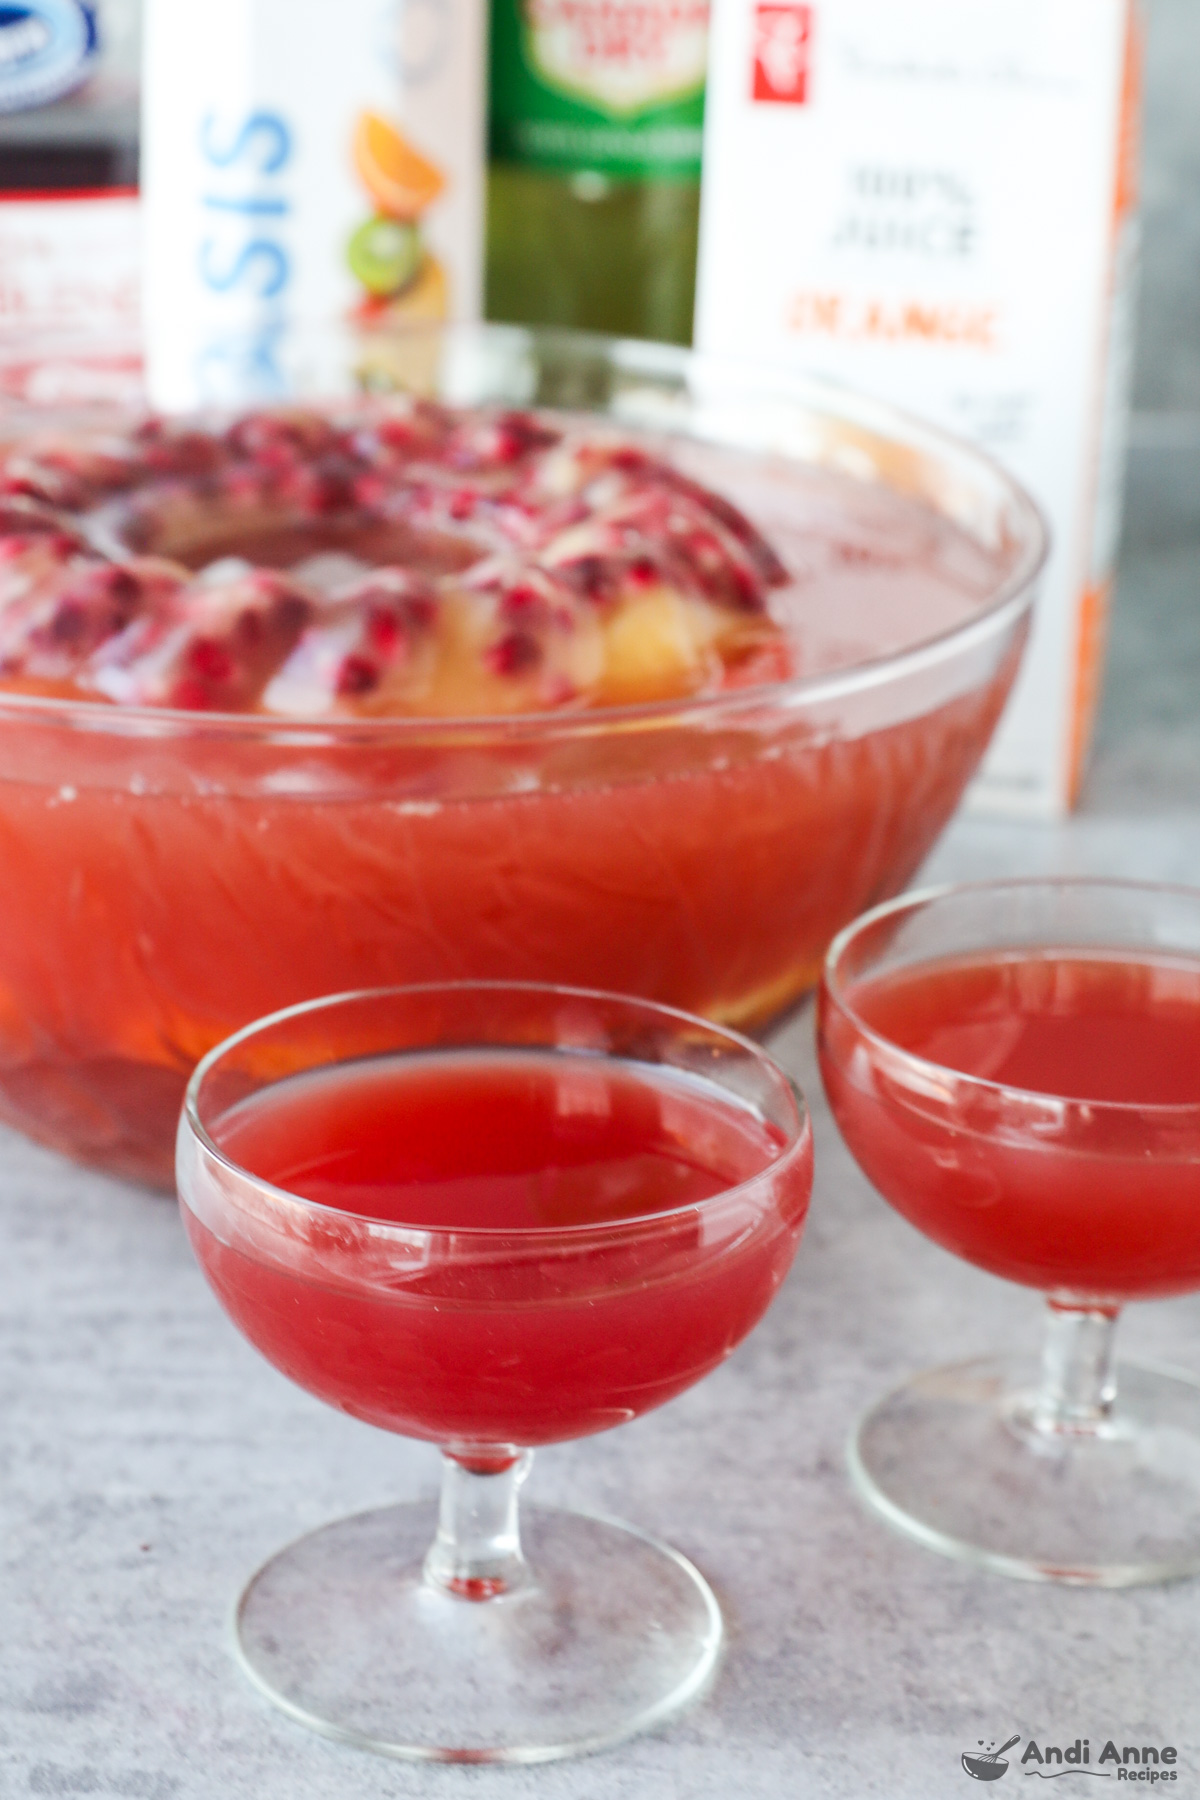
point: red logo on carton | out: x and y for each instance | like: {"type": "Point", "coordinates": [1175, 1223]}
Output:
{"type": "Point", "coordinates": [782, 36]}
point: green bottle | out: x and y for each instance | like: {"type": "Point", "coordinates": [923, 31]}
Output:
{"type": "Point", "coordinates": [597, 111]}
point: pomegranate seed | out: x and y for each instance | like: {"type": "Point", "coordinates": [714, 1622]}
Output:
{"type": "Point", "coordinates": [403, 601]}
{"type": "Point", "coordinates": [370, 489]}
{"type": "Point", "coordinates": [33, 484]}
{"type": "Point", "coordinates": [522, 602]}
{"type": "Point", "coordinates": [514, 654]}
{"type": "Point", "coordinates": [67, 624]}
{"type": "Point", "coordinates": [249, 629]}
{"type": "Point", "coordinates": [18, 544]}
{"type": "Point", "coordinates": [384, 630]}
{"type": "Point", "coordinates": [420, 611]}
{"type": "Point", "coordinates": [594, 577]}
{"type": "Point", "coordinates": [95, 604]}
{"type": "Point", "coordinates": [169, 449]}
{"type": "Point", "coordinates": [750, 596]}
{"type": "Point", "coordinates": [190, 696]}
{"type": "Point", "coordinates": [498, 442]}
{"type": "Point", "coordinates": [357, 675]}
{"type": "Point", "coordinates": [325, 486]}
{"type": "Point", "coordinates": [210, 661]}
{"type": "Point", "coordinates": [414, 433]}
{"type": "Point", "coordinates": [398, 434]}
{"type": "Point", "coordinates": [280, 440]}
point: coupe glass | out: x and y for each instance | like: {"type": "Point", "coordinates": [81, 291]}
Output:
{"type": "Point", "coordinates": [450, 1634]}
{"type": "Point", "coordinates": [1076, 1469]}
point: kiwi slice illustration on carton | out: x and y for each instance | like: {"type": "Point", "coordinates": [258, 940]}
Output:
{"type": "Point", "coordinates": [387, 253]}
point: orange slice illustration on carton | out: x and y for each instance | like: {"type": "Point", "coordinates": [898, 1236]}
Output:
{"type": "Point", "coordinates": [400, 181]}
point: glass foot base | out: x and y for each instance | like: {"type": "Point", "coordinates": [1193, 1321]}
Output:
{"type": "Point", "coordinates": [612, 1634]}
{"type": "Point", "coordinates": [953, 1459]}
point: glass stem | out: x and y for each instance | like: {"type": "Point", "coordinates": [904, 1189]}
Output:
{"type": "Point", "coordinates": [1078, 1385]}
{"type": "Point", "coordinates": [476, 1554]}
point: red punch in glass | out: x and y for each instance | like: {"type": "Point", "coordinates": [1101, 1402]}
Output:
{"type": "Point", "coordinates": [491, 1216]}
{"type": "Point", "coordinates": [1016, 1067]}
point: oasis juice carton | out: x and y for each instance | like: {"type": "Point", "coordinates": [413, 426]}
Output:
{"type": "Point", "coordinates": [934, 201]}
{"type": "Point", "coordinates": [304, 163]}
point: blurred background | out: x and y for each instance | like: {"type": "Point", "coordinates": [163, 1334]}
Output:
{"type": "Point", "coordinates": [1167, 392]}
{"type": "Point", "coordinates": [1148, 740]}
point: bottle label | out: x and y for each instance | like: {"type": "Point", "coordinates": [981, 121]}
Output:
{"type": "Point", "coordinates": [47, 48]}
{"type": "Point", "coordinates": [70, 265]}
{"type": "Point", "coordinates": [615, 86]}
{"type": "Point", "coordinates": [298, 178]}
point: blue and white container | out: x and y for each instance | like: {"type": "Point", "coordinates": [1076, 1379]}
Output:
{"type": "Point", "coordinates": [304, 163]}
{"type": "Point", "coordinates": [47, 47]}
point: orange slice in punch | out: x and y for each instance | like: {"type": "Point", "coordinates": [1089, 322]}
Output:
{"type": "Point", "coordinates": [398, 178]}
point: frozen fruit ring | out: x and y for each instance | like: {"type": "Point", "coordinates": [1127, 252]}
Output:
{"type": "Point", "coordinates": [374, 558]}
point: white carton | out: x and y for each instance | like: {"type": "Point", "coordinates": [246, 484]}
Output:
{"type": "Point", "coordinates": [932, 200]}
{"type": "Point", "coordinates": [70, 249]}
{"type": "Point", "coordinates": [303, 163]}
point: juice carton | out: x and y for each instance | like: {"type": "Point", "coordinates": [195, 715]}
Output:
{"type": "Point", "coordinates": [69, 238]}
{"type": "Point", "coordinates": [933, 200]}
{"type": "Point", "coordinates": [304, 163]}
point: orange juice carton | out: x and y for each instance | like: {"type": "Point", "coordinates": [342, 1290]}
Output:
{"type": "Point", "coordinates": [302, 163]}
{"type": "Point", "coordinates": [933, 200]}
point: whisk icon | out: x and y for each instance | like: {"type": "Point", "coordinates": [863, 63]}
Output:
{"type": "Point", "coordinates": [989, 1765]}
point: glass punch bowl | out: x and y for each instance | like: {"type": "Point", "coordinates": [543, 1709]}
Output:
{"type": "Point", "coordinates": [167, 876]}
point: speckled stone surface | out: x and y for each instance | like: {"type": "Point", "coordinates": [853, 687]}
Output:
{"type": "Point", "coordinates": [149, 1460]}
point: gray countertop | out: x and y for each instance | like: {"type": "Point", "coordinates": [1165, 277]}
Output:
{"type": "Point", "coordinates": [149, 1459]}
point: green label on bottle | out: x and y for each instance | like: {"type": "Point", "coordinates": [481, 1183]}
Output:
{"type": "Point", "coordinates": [615, 86]}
